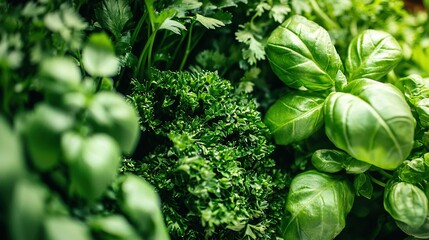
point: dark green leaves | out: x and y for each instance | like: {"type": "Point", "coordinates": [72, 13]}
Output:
{"type": "Point", "coordinates": [372, 54]}
{"type": "Point", "coordinates": [318, 204]}
{"type": "Point", "coordinates": [301, 54]}
{"type": "Point", "coordinates": [113, 15]}
{"type": "Point", "coordinates": [372, 122]}
{"type": "Point", "coordinates": [295, 117]}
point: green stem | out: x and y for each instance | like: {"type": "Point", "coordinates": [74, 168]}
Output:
{"type": "Point", "coordinates": [385, 174]}
{"type": "Point", "coordinates": [145, 55]}
{"type": "Point", "coordinates": [138, 29]}
{"type": "Point", "coordinates": [376, 181]}
{"type": "Point", "coordinates": [330, 24]}
{"type": "Point", "coordinates": [188, 47]}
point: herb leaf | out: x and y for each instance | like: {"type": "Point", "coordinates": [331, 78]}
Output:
{"type": "Point", "coordinates": [113, 15]}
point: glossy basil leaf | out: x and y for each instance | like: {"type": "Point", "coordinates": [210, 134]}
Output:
{"type": "Point", "coordinates": [65, 228]}
{"type": "Point", "coordinates": [328, 160]}
{"type": "Point", "coordinates": [406, 203]}
{"type": "Point", "coordinates": [113, 227]}
{"type": "Point", "coordinates": [43, 130]}
{"type": "Point", "coordinates": [372, 122]}
{"type": "Point", "coordinates": [318, 204]}
{"type": "Point", "coordinates": [363, 185]}
{"type": "Point", "coordinates": [301, 54]}
{"type": "Point", "coordinates": [372, 54]}
{"type": "Point", "coordinates": [421, 233]}
{"type": "Point", "coordinates": [142, 205]}
{"type": "Point", "coordinates": [354, 166]}
{"type": "Point", "coordinates": [12, 165]}
{"type": "Point", "coordinates": [413, 171]}
{"type": "Point", "coordinates": [113, 115]}
{"type": "Point", "coordinates": [295, 117]}
{"type": "Point", "coordinates": [96, 166]}
{"type": "Point", "coordinates": [27, 210]}
{"type": "Point", "coordinates": [98, 56]}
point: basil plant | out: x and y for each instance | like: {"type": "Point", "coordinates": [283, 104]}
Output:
{"type": "Point", "coordinates": [362, 116]}
{"type": "Point", "coordinates": [369, 122]}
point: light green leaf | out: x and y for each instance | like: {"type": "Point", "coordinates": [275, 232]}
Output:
{"type": "Point", "coordinates": [302, 54]}
{"type": "Point", "coordinates": [384, 136]}
{"type": "Point", "coordinates": [295, 117]}
{"type": "Point", "coordinates": [173, 26]}
{"type": "Point", "coordinates": [318, 204]}
{"type": "Point", "coordinates": [66, 228]}
{"type": "Point", "coordinates": [372, 54]}
{"type": "Point", "coordinates": [208, 22]}
{"type": "Point", "coordinates": [98, 56]}
{"type": "Point", "coordinates": [406, 203]}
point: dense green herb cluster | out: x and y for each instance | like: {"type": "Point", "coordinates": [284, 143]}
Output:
{"type": "Point", "coordinates": [208, 158]}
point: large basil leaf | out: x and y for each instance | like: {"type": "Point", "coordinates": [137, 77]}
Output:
{"type": "Point", "coordinates": [372, 54]}
{"type": "Point", "coordinates": [301, 54]}
{"type": "Point", "coordinates": [372, 122]}
{"type": "Point", "coordinates": [406, 203]}
{"type": "Point", "coordinates": [420, 233]}
{"type": "Point", "coordinates": [295, 117]}
{"type": "Point", "coordinates": [318, 204]}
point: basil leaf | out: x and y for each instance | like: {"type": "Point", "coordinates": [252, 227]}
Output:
{"type": "Point", "coordinates": [98, 56]}
{"type": "Point", "coordinates": [372, 54]}
{"type": "Point", "coordinates": [421, 233]}
{"type": "Point", "coordinates": [295, 117]}
{"type": "Point", "coordinates": [327, 160]}
{"type": "Point", "coordinates": [66, 228]}
{"type": "Point", "coordinates": [142, 205]}
{"type": "Point", "coordinates": [301, 54]}
{"type": "Point", "coordinates": [372, 122]}
{"type": "Point", "coordinates": [363, 185]}
{"type": "Point", "coordinates": [43, 130]}
{"type": "Point", "coordinates": [406, 203]}
{"type": "Point", "coordinates": [112, 114]}
{"type": "Point", "coordinates": [96, 166]}
{"type": "Point", "coordinates": [12, 165]}
{"type": "Point", "coordinates": [318, 204]}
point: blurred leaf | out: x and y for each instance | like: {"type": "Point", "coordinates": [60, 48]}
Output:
{"type": "Point", "coordinates": [27, 212]}
{"type": "Point", "coordinates": [66, 228]}
{"type": "Point", "coordinates": [12, 165]}
{"type": "Point", "coordinates": [114, 227]}
{"type": "Point", "coordinates": [98, 56]}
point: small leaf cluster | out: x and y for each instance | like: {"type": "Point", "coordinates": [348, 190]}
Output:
{"type": "Point", "coordinates": [208, 157]}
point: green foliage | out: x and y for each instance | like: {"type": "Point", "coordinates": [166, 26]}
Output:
{"type": "Point", "coordinates": [318, 204]}
{"type": "Point", "coordinates": [207, 153]}
{"type": "Point", "coordinates": [300, 47]}
{"type": "Point", "coordinates": [289, 117]}
{"type": "Point", "coordinates": [63, 139]}
{"type": "Point", "coordinates": [370, 120]}
{"type": "Point", "coordinates": [385, 134]}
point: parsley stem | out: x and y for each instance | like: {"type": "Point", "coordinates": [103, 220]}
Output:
{"type": "Point", "coordinates": [188, 47]}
